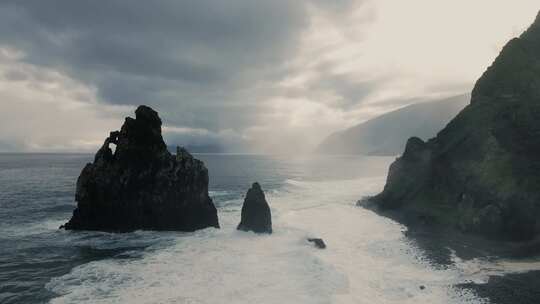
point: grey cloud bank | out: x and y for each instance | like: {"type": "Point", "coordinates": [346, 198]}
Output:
{"type": "Point", "coordinates": [168, 54]}
{"type": "Point", "coordinates": [255, 75]}
{"type": "Point", "coordinates": [200, 63]}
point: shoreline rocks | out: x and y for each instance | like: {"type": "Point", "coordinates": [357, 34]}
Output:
{"type": "Point", "coordinates": [256, 215]}
{"type": "Point", "coordinates": [141, 185]}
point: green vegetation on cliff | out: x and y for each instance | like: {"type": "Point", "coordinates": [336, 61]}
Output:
{"type": "Point", "coordinates": [481, 173]}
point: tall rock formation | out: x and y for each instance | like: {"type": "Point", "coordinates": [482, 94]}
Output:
{"type": "Point", "coordinates": [481, 173]}
{"type": "Point", "coordinates": [141, 185]}
{"type": "Point", "coordinates": [256, 215]}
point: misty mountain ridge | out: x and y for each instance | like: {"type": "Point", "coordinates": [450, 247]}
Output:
{"type": "Point", "coordinates": [386, 135]}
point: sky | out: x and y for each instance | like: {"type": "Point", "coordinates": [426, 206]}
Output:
{"type": "Point", "coordinates": [251, 76]}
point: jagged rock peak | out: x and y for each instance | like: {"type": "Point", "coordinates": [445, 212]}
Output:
{"type": "Point", "coordinates": [415, 148]}
{"type": "Point", "coordinates": [256, 215]}
{"type": "Point", "coordinates": [255, 189]}
{"type": "Point", "coordinates": [141, 185]}
{"type": "Point", "coordinates": [511, 77]}
{"type": "Point", "coordinates": [148, 115]}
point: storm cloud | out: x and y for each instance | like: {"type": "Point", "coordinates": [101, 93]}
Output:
{"type": "Point", "coordinates": [162, 53]}
{"type": "Point", "coordinates": [286, 71]}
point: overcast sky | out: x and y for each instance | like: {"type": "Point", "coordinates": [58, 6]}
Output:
{"type": "Point", "coordinates": [259, 76]}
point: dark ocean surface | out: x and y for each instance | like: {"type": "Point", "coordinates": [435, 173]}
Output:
{"type": "Point", "coordinates": [368, 260]}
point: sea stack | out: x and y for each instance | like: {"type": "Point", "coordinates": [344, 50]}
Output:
{"type": "Point", "coordinates": [141, 185]}
{"type": "Point", "coordinates": [481, 173]}
{"type": "Point", "coordinates": [256, 214]}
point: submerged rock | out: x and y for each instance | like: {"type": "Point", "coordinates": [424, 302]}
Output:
{"type": "Point", "coordinates": [256, 214]}
{"type": "Point", "coordinates": [319, 243]}
{"type": "Point", "coordinates": [141, 185]}
{"type": "Point", "coordinates": [481, 173]}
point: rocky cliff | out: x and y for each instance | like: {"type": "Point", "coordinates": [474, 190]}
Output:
{"type": "Point", "coordinates": [141, 185]}
{"type": "Point", "coordinates": [481, 173]}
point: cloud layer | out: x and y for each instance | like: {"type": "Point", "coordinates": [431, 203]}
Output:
{"type": "Point", "coordinates": [270, 76]}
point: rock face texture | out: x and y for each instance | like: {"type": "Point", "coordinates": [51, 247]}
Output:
{"type": "Point", "coordinates": [256, 214]}
{"type": "Point", "coordinates": [141, 185]}
{"type": "Point", "coordinates": [481, 173]}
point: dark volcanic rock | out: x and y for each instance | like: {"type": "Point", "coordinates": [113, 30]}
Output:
{"type": "Point", "coordinates": [141, 185]}
{"type": "Point", "coordinates": [481, 173]}
{"type": "Point", "coordinates": [523, 288]}
{"type": "Point", "coordinates": [256, 214]}
{"type": "Point", "coordinates": [319, 243]}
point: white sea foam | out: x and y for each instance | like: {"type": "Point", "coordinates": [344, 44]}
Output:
{"type": "Point", "coordinates": [218, 193]}
{"type": "Point", "coordinates": [296, 183]}
{"type": "Point", "coordinates": [381, 266]}
{"type": "Point", "coordinates": [45, 226]}
{"type": "Point", "coordinates": [367, 260]}
{"type": "Point", "coordinates": [210, 266]}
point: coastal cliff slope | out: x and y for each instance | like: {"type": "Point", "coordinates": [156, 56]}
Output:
{"type": "Point", "coordinates": [481, 173]}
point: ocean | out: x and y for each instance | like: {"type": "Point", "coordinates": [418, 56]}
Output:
{"type": "Point", "coordinates": [367, 260]}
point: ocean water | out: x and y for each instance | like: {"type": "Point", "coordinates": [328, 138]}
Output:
{"type": "Point", "coordinates": [368, 259]}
